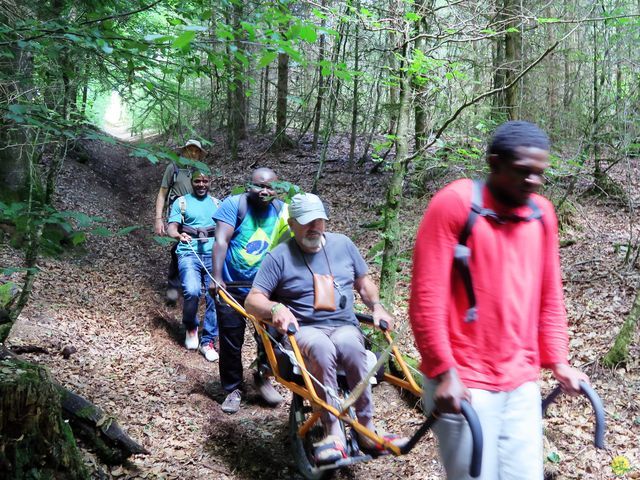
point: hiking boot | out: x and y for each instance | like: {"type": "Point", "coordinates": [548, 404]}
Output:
{"type": "Point", "coordinates": [231, 404]}
{"type": "Point", "coordinates": [209, 351]}
{"type": "Point", "coordinates": [191, 339]}
{"type": "Point", "coordinates": [266, 390]}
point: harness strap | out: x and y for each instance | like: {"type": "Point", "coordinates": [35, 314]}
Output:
{"type": "Point", "coordinates": [200, 232]}
{"type": "Point", "coordinates": [462, 253]}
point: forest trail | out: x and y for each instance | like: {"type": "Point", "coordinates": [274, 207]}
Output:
{"type": "Point", "coordinates": [107, 302]}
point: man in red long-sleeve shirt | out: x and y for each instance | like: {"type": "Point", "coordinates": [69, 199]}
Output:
{"type": "Point", "coordinates": [487, 346]}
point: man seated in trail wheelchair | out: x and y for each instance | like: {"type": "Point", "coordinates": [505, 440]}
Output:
{"type": "Point", "coordinates": [308, 282]}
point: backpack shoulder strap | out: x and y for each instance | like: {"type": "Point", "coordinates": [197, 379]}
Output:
{"type": "Point", "coordinates": [474, 212]}
{"type": "Point", "coordinates": [174, 175]}
{"type": "Point", "coordinates": [536, 213]}
{"type": "Point", "coordinates": [462, 253]}
{"type": "Point", "coordinates": [183, 207]}
{"type": "Point", "coordinates": [277, 204]}
{"type": "Point", "coordinates": [242, 208]}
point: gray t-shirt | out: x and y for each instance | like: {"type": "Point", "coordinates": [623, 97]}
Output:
{"type": "Point", "coordinates": [182, 185]}
{"type": "Point", "coordinates": [284, 277]}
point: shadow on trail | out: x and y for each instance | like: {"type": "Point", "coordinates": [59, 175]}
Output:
{"type": "Point", "coordinates": [254, 446]}
{"type": "Point", "coordinates": [171, 323]}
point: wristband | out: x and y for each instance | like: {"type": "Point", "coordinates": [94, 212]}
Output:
{"type": "Point", "coordinates": [275, 308]}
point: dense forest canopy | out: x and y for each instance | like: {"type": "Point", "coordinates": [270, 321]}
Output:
{"type": "Point", "coordinates": [409, 89]}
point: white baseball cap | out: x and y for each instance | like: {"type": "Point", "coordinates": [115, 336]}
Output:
{"type": "Point", "coordinates": [193, 142]}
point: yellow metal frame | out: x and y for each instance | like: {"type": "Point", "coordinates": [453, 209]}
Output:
{"type": "Point", "coordinates": [308, 391]}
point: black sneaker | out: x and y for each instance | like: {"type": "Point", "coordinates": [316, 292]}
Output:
{"type": "Point", "coordinates": [266, 390]}
{"type": "Point", "coordinates": [231, 404]}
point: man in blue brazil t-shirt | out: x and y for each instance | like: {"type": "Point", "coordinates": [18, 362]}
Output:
{"type": "Point", "coordinates": [191, 223]}
{"type": "Point", "coordinates": [247, 226]}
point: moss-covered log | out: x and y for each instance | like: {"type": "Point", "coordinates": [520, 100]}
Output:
{"type": "Point", "coordinates": [35, 441]}
{"type": "Point", "coordinates": [99, 432]}
{"type": "Point", "coordinates": [619, 353]}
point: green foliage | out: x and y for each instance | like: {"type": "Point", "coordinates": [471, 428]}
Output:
{"type": "Point", "coordinates": [466, 158]}
{"type": "Point", "coordinates": [553, 457]}
{"type": "Point", "coordinates": [7, 293]}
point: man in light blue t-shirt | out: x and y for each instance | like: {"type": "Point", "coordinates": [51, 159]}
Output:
{"type": "Point", "coordinates": [191, 223]}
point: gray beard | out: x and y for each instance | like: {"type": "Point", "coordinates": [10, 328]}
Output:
{"type": "Point", "coordinates": [312, 244]}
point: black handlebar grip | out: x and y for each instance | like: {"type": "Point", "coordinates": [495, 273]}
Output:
{"type": "Point", "coordinates": [598, 410]}
{"type": "Point", "coordinates": [384, 326]}
{"type": "Point", "coordinates": [476, 435]}
{"type": "Point", "coordinates": [291, 329]}
{"type": "Point", "coordinates": [596, 404]}
{"type": "Point", "coordinates": [475, 467]}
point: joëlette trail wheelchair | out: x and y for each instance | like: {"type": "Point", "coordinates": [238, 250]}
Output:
{"type": "Point", "coordinates": [305, 429]}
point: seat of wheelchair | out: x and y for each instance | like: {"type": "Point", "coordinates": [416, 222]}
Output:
{"type": "Point", "coordinates": [291, 372]}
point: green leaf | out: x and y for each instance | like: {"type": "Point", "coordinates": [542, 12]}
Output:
{"type": "Point", "coordinates": [17, 108]}
{"type": "Point", "coordinates": [194, 28]}
{"type": "Point", "coordinates": [241, 57]}
{"type": "Point", "coordinates": [127, 230]}
{"type": "Point", "coordinates": [308, 33]}
{"type": "Point", "coordinates": [412, 17]}
{"type": "Point", "coordinates": [547, 20]}
{"type": "Point", "coordinates": [512, 30]}
{"type": "Point", "coordinates": [101, 231]}
{"type": "Point", "coordinates": [157, 38]}
{"type": "Point", "coordinates": [267, 58]}
{"type": "Point", "coordinates": [78, 237]}
{"type": "Point", "coordinates": [7, 291]}
{"type": "Point", "coordinates": [184, 40]}
{"type": "Point", "coordinates": [553, 457]}
{"type": "Point", "coordinates": [224, 32]}
{"type": "Point", "coordinates": [72, 37]}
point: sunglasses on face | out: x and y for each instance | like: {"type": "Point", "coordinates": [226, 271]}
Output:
{"type": "Point", "coordinates": [261, 186]}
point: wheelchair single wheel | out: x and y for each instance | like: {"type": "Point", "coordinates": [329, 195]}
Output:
{"type": "Point", "coordinates": [302, 448]}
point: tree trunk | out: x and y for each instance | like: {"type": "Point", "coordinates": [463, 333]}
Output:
{"type": "Point", "coordinates": [512, 54]}
{"type": "Point", "coordinates": [391, 230]}
{"type": "Point", "coordinates": [354, 107]}
{"type": "Point", "coordinates": [13, 167]}
{"type": "Point", "coordinates": [282, 140]}
{"type": "Point", "coordinates": [35, 441]}
{"type": "Point", "coordinates": [321, 85]}
{"type": "Point", "coordinates": [420, 111]}
{"type": "Point", "coordinates": [262, 124]}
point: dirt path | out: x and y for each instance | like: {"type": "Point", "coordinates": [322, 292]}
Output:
{"type": "Point", "coordinates": [107, 302]}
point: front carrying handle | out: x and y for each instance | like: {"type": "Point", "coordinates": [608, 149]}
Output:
{"type": "Point", "coordinates": [368, 319]}
{"type": "Point", "coordinates": [596, 404]}
{"type": "Point", "coordinates": [291, 329]}
{"type": "Point", "coordinates": [476, 436]}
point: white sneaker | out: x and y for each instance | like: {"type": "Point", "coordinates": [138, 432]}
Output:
{"type": "Point", "coordinates": [191, 339]}
{"type": "Point", "coordinates": [209, 351]}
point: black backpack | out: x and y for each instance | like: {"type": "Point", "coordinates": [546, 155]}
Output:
{"type": "Point", "coordinates": [169, 199]}
{"type": "Point", "coordinates": [462, 253]}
